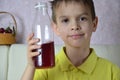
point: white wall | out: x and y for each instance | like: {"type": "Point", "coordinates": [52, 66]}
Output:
{"type": "Point", "coordinates": [108, 12]}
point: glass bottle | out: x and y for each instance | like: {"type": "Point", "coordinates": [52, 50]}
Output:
{"type": "Point", "coordinates": [42, 30]}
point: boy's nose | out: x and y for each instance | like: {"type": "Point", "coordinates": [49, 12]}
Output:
{"type": "Point", "coordinates": [76, 26]}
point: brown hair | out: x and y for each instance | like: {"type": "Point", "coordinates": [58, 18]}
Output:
{"type": "Point", "coordinates": [55, 4]}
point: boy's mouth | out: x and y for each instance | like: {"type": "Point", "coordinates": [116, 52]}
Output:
{"type": "Point", "coordinates": [77, 36]}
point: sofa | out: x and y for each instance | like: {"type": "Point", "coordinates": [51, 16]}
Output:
{"type": "Point", "coordinates": [13, 58]}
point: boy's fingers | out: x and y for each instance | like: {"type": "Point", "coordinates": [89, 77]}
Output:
{"type": "Point", "coordinates": [34, 47]}
{"type": "Point", "coordinates": [33, 41]}
{"type": "Point", "coordinates": [30, 37]}
{"type": "Point", "coordinates": [34, 54]}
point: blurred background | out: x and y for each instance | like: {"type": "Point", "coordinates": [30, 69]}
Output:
{"type": "Point", "coordinates": [108, 12]}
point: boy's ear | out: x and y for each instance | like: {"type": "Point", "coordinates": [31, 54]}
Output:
{"type": "Point", "coordinates": [95, 22]}
{"type": "Point", "coordinates": [55, 28]}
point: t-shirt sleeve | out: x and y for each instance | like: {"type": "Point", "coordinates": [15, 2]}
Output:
{"type": "Point", "coordinates": [40, 74]}
{"type": "Point", "coordinates": [116, 73]}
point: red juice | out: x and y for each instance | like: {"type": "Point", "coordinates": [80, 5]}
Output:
{"type": "Point", "coordinates": [46, 58]}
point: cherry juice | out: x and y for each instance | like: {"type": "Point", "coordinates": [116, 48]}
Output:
{"type": "Point", "coordinates": [46, 58]}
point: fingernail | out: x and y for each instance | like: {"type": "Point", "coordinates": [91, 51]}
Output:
{"type": "Point", "coordinates": [37, 39]}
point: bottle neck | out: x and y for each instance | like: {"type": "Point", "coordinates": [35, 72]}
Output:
{"type": "Point", "coordinates": [42, 11]}
{"type": "Point", "coordinates": [41, 7]}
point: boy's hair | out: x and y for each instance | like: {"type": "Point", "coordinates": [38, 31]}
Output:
{"type": "Point", "coordinates": [56, 3]}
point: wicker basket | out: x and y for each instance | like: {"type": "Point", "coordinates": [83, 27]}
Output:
{"type": "Point", "coordinates": [8, 38]}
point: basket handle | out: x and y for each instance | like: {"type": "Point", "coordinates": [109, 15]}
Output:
{"type": "Point", "coordinates": [3, 12]}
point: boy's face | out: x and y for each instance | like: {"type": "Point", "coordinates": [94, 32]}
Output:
{"type": "Point", "coordinates": [74, 24]}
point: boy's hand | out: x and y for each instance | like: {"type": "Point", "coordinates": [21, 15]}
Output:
{"type": "Point", "coordinates": [32, 46]}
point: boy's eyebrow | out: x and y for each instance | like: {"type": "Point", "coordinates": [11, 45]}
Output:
{"type": "Point", "coordinates": [85, 13]}
{"type": "Point", "coordinates": [61, 17]}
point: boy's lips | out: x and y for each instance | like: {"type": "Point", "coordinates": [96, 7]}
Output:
{"type": "Point", "coordinates": [76, 36]}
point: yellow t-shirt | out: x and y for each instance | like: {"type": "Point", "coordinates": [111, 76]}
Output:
{"type": "Point", "coordinates": [94, 68]}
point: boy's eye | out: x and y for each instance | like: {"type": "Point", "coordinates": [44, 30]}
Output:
{"type": "Point", "coordinates": [65, 20]}
{"type": "Point", "coordinates": [83, 19]}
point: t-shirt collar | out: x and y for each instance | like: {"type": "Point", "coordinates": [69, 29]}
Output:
{"type": "Point", "coordinates": [87, 67]}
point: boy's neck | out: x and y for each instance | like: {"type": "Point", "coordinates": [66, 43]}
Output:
{"type": "Point", "coordinates": [77, 55]}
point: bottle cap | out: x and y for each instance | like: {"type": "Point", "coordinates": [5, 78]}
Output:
{"type": "Point", "coordinates": [40, 5]}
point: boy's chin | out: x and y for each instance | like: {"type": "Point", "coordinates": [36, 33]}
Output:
{"type": "Point", "coordinates": [77, 45]}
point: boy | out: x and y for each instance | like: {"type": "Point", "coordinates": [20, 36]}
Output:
{"type": "Point", "coordinates": [73, 21]}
